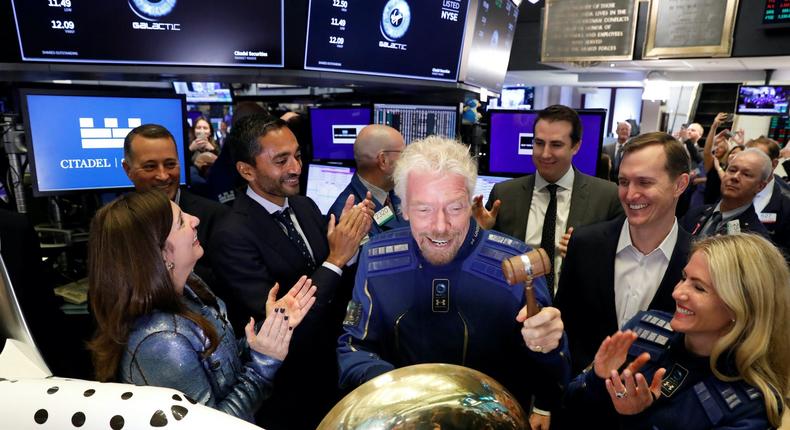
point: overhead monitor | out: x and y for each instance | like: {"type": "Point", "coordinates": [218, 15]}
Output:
{"type": "Point", "coordinates": [171, 32]}
{"type": "Point", "coordinates": [326, 182]}
{"type": "Point", "coordinates": [776, 13]}
{"type": "Point", "coordinates": [762, 100]}
{"type": "Point", "coordinates": [511, 138]}
{"type": "Point", "coordinates": [418, 121]}
{"type": "Point", "coordinates": [487, 44]}
{"type": "Point", "coordinates": [204, 92]}
{"type": "Point", "coordinates": [334, 130]}
{"type": "Point", "coordinates": [75, 139]}
{"type": "Point", "coordinates": [485, 184]}
{"type": "Point", "coordinates": [407, 38]}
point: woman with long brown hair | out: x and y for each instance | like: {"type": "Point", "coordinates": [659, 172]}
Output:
{"type": "Point", "coordinates": [159, 324]}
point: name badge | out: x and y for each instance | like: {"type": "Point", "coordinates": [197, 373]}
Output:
{"type": "Point", "coordinates": [383, 216]}
{"type": "Point", "coordinates": [767, 217]}
{"type": "Point", "coordinates": [733, 227]}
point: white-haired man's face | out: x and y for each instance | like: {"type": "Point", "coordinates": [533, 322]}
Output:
{"type": "Point", "coordinates": [439, 213]}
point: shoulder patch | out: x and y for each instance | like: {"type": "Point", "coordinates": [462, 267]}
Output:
{"type": "Point", "coordinates": [390, 251]}
{"type": "Point", "coordinates": [654, 332]}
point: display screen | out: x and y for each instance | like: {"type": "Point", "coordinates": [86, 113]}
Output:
{"type": "Point", "coordinates": [204, 92]}
{"type": "Point", "coordinates": [776, 12]}
{"type": "Point", "coordinates": [76, 141]}
{"type": "Point", "coordinates": [409, 38]}
{"type": "Point", "coordinates": [771, 100]}
{"type": "Point", "coordinates": [485, 184]}
{"type": "Point", "coordinates": [488, 53]}
{"type": "Point", "coordinates": [334, 131]}
{"type": "Point", "coordinates": [418, 121]}
{"type": "Point", "coordinates": [198, 32]}
{"type": "Point", "coordinates": [511, 139]}
{"type": "Point", "coordinates": [325, 183]}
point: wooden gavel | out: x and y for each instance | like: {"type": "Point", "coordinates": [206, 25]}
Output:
{"type": "Point", "coordinates": [525, 268]}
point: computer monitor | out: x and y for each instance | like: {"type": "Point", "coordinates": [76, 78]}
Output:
{"type": "Point", "coordinates": [762, 100]}
{"type": "Point", "coordinates": [485, 184]}
{"type": "Point", "coordinates": [415, 39]}
{"type": "Point", "coordinates": [75, 138]}
{"type": "Point", "coordinates": [241, 33]}
{"type": "Point", "coordinates": [334, 130]}
{"type": "Point", "coordinates": [326, 182]}
{"type": "Point", "coordinates": [418, 121]}
{"type": "Point", "coordinates": [511, 134]}
{"type": "Point", "coordinates": [487, 43]}
{"type": "Point", "coordinates": [204, 92]}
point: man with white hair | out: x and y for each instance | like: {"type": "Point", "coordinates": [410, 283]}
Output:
{"type": "Point", "coordinates": [615, 150]}
{"type": "Point", "coordinates": [746, 175]}
{"type": "Point", "coordinates": [435, 292]}
{"type": "Point", "coordinates": [376, 151]}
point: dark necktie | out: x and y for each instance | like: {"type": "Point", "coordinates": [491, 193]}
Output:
{"type": "Point", "coordinates": [713, 227]}
{"type": "Point", "coordinates": [618, 156]}
{"type": "Point", "coordinates": [284, 218]}
{"type": "Point", "coordinates": [547, 237]}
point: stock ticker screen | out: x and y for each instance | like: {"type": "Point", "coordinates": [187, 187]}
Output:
{"type": "Point", "coordinates": [408, 38]}
{"type": "Point", "coordinates": [776, 12]}
{"type": "Point", "coordinates": [198, 32]}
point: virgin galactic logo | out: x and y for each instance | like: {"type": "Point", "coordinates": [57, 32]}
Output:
{"type": "Point", "coordinates": [152, 11]}
{"type": "Point", "coordinates": [395, 19]}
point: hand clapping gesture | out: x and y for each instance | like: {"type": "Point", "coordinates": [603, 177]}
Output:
{"type": "Point", "coordinates": [483, 216]}
{"type": "Point", "coordinates": [296, 303]}
{"type": "Point", "coordinates": [274, 336]}
{"type": "Point", "coordinates": [628, 390]}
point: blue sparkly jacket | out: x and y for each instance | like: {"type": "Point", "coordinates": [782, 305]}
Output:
{"type": "Point", "coordinates": [166, 350]}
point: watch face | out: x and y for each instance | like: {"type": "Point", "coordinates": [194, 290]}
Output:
{"type": "Point", "coordinates": [395, 19]}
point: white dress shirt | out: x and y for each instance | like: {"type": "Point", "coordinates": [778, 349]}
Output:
{"type": "Point", "coordinates": [537, 213]}
{"type": "Point", "coordinates": [762, 198]}
{"type": "Point", "coordinates": [273, 207]}
{"type": "Point", "coordinates": [637, 276]}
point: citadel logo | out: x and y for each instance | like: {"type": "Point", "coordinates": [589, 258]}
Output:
{"type": "Point", "coordinates": [395, 19]}
{"type": "Point", "coordinates": [153, 10]}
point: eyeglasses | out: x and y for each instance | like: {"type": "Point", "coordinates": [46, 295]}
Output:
{"type": "Point", "coordinates": [392, 150]}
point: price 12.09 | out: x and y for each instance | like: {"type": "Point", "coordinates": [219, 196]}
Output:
{"type": "Point", "coordinates": [337, 41]}
{"type": "Point", "coordinates": [66, 26]}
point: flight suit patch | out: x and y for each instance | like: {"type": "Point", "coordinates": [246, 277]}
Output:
{"type": "Point", "coordinates": [353, 314]}
{"type": "Point", "coordinates": [440, 295]}
{"type": "Point", "coordinates": [673, 380]}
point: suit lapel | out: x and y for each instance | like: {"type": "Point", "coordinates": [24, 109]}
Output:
{"type": "Point", "coordinates": [608, 251]}
{"type": "Point", "coordinates": [522, 211]}
{"type": "Point", "coordinates": [580, 200]}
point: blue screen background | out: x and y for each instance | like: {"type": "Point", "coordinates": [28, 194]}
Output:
{"type": "Point", "coordinates": [321, 121]}
{"type": "Point", "coordinates": [54, 134]}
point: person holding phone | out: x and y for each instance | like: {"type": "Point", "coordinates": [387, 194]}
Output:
{"type": "Point", "coordinates": [204, 151]}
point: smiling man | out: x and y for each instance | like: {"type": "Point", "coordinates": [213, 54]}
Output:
{"type": "Point", "coordinates": [434, 292]}
{"type": "Point", "coordinates": [617, 268]}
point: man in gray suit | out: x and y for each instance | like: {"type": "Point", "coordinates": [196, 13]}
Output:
{"type": "Point", "coordinates": [557, 193]}
{"type": "Point", "coordinates": [615, 150]}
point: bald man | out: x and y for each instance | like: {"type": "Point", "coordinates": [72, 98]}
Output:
{"type": "Point", "coordinates": [376, 150]}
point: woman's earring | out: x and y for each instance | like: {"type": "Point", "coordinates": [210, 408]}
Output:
{"type": "Point", "coordinates": [170, 266]}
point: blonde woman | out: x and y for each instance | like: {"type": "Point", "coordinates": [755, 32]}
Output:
{"type": "Point", "coordinates": [719, 362]}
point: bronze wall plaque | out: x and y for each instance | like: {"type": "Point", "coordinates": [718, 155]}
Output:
{"type": "Point", "coordinates": [690, 28]}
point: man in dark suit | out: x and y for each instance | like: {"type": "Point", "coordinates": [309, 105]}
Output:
{"type": "Point", "coordinates": [772, 204]}
{"type": "Point", "coordinates": [615, 150]}
{"type": "Point", "coordinates": [272, 235]}
{"type": "Point", "coordinates": [616, 268]}
{"type": "Point", "coordinates": [376, 150]}
{"type": "Point", "coordinates": [150, 160]}
{"type": "Point", "coordinates": [747, 174]}
{"type": "Point", "coordinates": [520, 207]}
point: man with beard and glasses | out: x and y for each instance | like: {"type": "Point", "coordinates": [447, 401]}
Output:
{"type": "Point", "coordinates": [434, 292]}
{"type": "Point", "coordinates": [273, 236]}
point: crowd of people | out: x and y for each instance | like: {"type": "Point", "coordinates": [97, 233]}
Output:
{"type": "Point", "coordinates": [270, 311]}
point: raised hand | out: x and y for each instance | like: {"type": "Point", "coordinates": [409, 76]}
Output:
{"type": "Point", "coordinates": [274, 336]}
{"type": "Point", "coordinates": [721, 117]}
{"type": "Point", "coordinates": [542, 332]}
{"type": "Point", "coordinates": [344, 238]}
{"type": "Point", "coordinates": [483, 216]}
{"type": "Point", "coordinates": [613, 351]}
{"type": "Point", "coordinates": [297, 302]}
{"type": "Point", "coordinates": [630, 393]}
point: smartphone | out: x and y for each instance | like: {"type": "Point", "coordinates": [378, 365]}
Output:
{"type": "Point", "coordinates": [201, 135]}
{"type": "Point", "coordinates": [728, 134]}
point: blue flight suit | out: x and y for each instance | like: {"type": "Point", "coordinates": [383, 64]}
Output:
{"type": "Point", "coordinates": [691, 395]}
{"type": "Point", "coordinates": [406, 311]}
{"type": "Point", "coordinates": [358, 189]}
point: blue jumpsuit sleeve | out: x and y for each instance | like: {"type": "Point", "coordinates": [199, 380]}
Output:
{"type": "Point", "coordinates": [357, 346]}
{"type": "Point", "coordinates": [185, 372]}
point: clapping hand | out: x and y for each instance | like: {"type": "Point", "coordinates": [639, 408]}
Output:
{"type": "Point", "coordinates": [483, 216]}
{"type": "Point", "coordinates": [274, 336]}
{"type": "Point", "coordinates": [628, 390]}
{"type": "Point", "coordinates": [295, 304]}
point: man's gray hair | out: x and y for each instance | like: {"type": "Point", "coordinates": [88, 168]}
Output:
{"type": "Point", "coordinates": [767, 168]}
{"type": "Point", "coordinates": [435, 154]}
